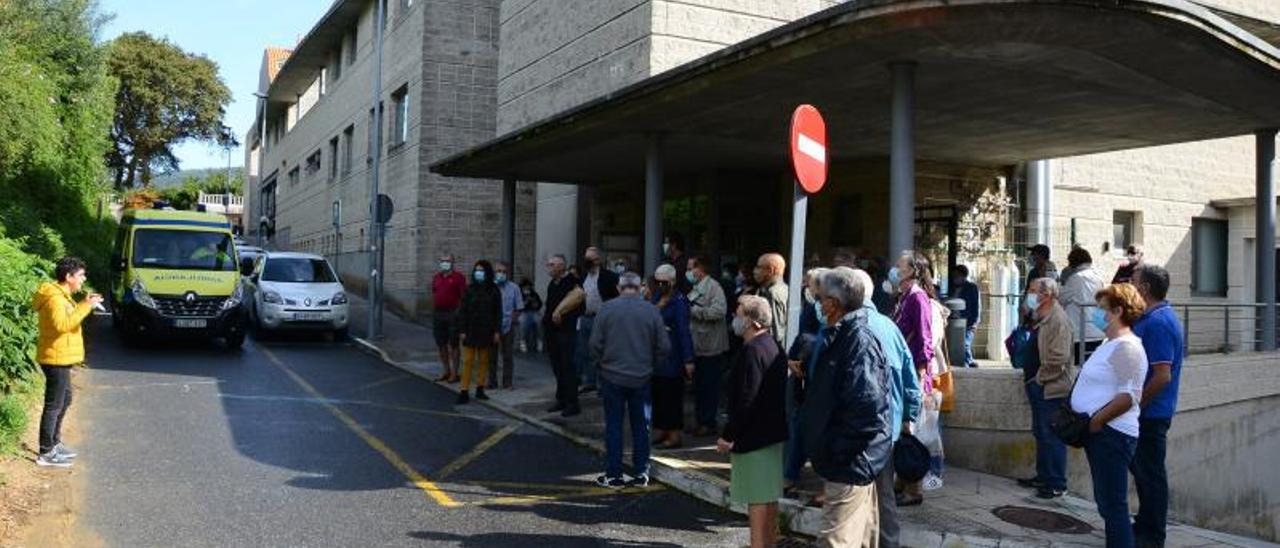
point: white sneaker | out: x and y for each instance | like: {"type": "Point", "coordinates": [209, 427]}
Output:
{"type": "Point", "coordinates": [53, 459]}
{"type": "Point", "coordinates": [932, 482]}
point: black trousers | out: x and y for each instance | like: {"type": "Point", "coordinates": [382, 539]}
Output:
{"type": "Point", "coordinates": [560, 348]}
{"type": "Point", "coordinates": [57, 398]}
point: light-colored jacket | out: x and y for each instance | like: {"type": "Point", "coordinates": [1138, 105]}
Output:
{"type": "Point", "coordinates": [60, 341]}
{"type": "Point", "coordinates": [1077, 295]}
{"type": "Point", "coordinates": [707, 309]}
{"type": "Point", "coordinates": [777, 295]}
{"type": "Point", "coordinates": [1053, 341]}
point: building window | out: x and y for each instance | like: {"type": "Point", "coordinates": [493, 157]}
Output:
{"type": "Point", "coordinates": [313, 163]}
{"type": "Point", "coordinates": [353, 46]}
{"type": "Point", "coordinates": [400, 116]}
{"type": "Point", "coordinates": [293, 176]}
{"type": "Point", "coordinates": [1124, 229]}
{"type": "Point", "coordinates": [375, 129]}
{"type": "Point", "coordinates": [324, 82]}
{"type": "Point", "coordinates": [333, 158]}
{"type": "Point", "coordinates": [1209, 257]}
{"type": "Point", "coordinates": [348, 137]}
{"type": "Point", "coordinates": [336, 71]}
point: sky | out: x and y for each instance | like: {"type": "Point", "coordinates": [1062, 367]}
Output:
{"type": "Point", "coordinates": [233, 33]}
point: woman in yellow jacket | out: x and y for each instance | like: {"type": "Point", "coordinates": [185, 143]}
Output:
{"type": "Point", "coordinates": [60, 346]}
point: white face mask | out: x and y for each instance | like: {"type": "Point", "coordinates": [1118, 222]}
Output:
{"type": "Point", "coordinates": [446, 266]}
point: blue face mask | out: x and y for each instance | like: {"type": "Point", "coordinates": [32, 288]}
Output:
{"type": "Point", "coordinates": [1033, 301]}
{"type": "Point", "coordinates": [479, 275]}
{"type": "Point", "coordinates": [688, 275]}
{"type": "Point", "coordinates": [822, 318]}
{"type": "Point", "coordinates": [500, 277]}
{"type": "Point", "coordinates": [895, 277]}
{"type": "Point", "coordinates": [1099, 319]}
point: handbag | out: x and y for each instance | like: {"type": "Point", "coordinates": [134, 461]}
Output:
{"type": "Point", "coordinates": [910, 458]}
{"type": "Point", "coordinates": [944, 382]}
{"type": "Point", "coordinates": [1069, 425]}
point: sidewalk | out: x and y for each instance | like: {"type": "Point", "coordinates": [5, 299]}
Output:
{"type": "Point", "coordinates": [966, 512]}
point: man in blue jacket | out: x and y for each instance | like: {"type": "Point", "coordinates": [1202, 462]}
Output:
{"type": "Point", "coordinates": [846, 415]}
{"type": "Point", "coordinates": [907, 397]}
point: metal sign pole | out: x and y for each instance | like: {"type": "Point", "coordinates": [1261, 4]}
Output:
{"type": "Point", "coordinates": [375, 227]}
{"type": "Point", "coordinates": [795, 278]}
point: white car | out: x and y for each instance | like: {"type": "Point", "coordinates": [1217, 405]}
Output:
{"type": "Point", "coordinates": [297, 291]}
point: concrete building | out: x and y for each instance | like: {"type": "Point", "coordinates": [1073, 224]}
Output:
{"type": "Point", "coordinates": [315, 134]}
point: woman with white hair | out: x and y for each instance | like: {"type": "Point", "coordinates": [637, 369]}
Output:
{"type": "Point", "coordinates": [669, 375]}
{"type": "Point", "coordinates": [757, 425]}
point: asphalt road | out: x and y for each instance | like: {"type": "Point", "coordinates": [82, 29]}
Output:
{"type": "Point", "coordinates": [306, 443]}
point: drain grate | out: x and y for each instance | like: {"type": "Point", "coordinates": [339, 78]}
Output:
{"type": "Point", "coordinates": [1042, 520]}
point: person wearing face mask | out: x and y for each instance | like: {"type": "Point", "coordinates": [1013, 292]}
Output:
{"type": "Point", "coordinates": [601, 286]}
{"type": "Point", "coordinates": [1132, 262]}
{"type": "Point", "coordinates": [529, 317]}
{"type": "Point", "coordinates": [512, 305]}
{"type": "Point", "coordinates": [800, 359]}
{"type": "Point", "coordinates": [1049, 384]}
{"type": "Point", "coordinates": [911, 278]}
{"type": "Point", "coordinates": [447, 287]}
{"type": "Point", "coordinates": [669, 375]}
{"type": "Point", "coordinates": [1039, 264]}
{"type": "Point", "coordinates": [757, 426]}
{"type": "Point", "coordinates": [673, 253]}
{"type": "Point", "coordinates": [707, 305]}
{"type": "Point", "coordinates": [1110, 391]}
{"type": "Point", "coordinates": [1080, 282]}
{"type": "Point", "coordinates": [846, 414]}
{"type": "Point", "coordinates": [479, 329]}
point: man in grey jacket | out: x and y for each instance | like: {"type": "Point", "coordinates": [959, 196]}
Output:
{"type": "Point", "coordinates": [628, 338]}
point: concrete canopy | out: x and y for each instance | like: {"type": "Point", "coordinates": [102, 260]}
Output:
{"type": "Point", "coordinates": [997, 82]}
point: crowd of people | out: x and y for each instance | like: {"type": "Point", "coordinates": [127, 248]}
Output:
{"type": "Point", "coordinates": [867, 369]}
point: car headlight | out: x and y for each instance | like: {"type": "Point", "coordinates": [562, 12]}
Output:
{"type": "Point", "coordinates": [339, 298]}
{"type": "Point", "coordinates": [271, 297]}
{"type": "Point", "coordinates": [235, 298]}
{"type": "Point", "coordinates": [140, 294]}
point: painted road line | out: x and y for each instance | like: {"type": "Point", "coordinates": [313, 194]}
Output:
{"type": "Point", "coordinates": [475, 452]}
{"type": "Point", "coordinates": [431, 490]}
{"type": "Point", "coordinates": [362, 403]}
{"type": "Point", "coordinates": [377, 383]}
{"type": "Point", "coordinates": [586, 492]}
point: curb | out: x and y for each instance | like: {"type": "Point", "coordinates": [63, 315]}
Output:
{"type": "Point", "coordinates": [676, 473]}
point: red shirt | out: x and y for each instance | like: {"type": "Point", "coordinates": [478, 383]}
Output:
{"type": "Point", "coordinates": [447, 288]}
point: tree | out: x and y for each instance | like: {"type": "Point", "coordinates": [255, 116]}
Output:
{"type": "Point", "coordinates": [165, 96]}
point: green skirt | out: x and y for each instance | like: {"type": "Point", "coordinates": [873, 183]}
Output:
{"type": "Point", "coordinates": [756, 477]}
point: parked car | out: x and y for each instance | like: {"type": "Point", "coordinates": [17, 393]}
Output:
{"type": "Point", "coordinates": [297, 291]}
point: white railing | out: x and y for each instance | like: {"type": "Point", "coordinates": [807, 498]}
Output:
{"type": "Point", "coordinates": [229, 204]}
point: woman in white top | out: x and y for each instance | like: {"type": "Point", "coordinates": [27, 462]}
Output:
{"type": "Point", "coordinates": [1108, 390]}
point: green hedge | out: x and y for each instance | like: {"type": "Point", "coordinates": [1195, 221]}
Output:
{"type": "Point", "coordinates": [20, 275]}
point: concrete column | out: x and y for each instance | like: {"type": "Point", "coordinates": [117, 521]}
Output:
{"type": "Point", "coordinates": [902, 160]}
{"type": "Point", "coordinates": [1266, 237]}
{"type": "Point", "coordinates": [509, 223]}
{"type": "Point", "coordinates": [653, 205]}
{"type": "Point", "coordinates": [1039, 203]}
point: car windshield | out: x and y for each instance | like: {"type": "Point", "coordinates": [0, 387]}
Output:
{"type": "Point", "coordinates": [298, 271]}
{"type": "Point", "coordinates": [183, 249]}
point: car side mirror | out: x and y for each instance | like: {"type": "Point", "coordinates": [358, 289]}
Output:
{"type": "Point", "coordinates": [246, 267]}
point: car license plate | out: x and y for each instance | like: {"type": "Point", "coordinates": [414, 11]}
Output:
{"type": "Point", "coordinates": [308, 316]}
{"type": "Point", "coordinates": [190, 324]}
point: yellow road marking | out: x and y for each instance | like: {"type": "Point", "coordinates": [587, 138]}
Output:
{"type": "Point", "coordinates": [388, 380]}
{"type": "Point", "coordinates": [586, 492]}
{"type": "Point", "coordinates": [476, 451]}
{"type": "Point", "coordinates": [576, 487]}
{"type": "Point", "coordinates": [432, 491]}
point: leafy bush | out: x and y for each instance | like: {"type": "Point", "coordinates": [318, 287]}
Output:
{"type": "Point", "coordinates": [20, 275]}
{"type": "Point", "coordinates": [13, 422]}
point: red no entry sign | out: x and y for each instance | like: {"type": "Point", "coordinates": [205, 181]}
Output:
{"type": "Point", "coordinates": [809, 148]}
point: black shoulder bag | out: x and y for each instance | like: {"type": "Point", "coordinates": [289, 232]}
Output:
{"type": "Point", "coordinates": [1070, 427]}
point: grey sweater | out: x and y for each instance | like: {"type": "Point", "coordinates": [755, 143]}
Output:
{"type": "Point", "coordinates": [628, 339]}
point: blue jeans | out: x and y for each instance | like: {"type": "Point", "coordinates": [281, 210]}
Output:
{"type": "Point", "coordinates": [583, 364]}
{"type": "Point", "coordinates": [529, 331]}
{"type": "Point", "coordinates": [639, 408]}
{"type": "Point", "coordinates": [1152, 480]}
{"type": "Point", "coordinates": [706, 388]}
{"type": "Point", "coordinates": [968, 348]}
{"type": "Point", "coordinates": [794, 455]}
{"type": "Point", "coordinates": [1110, 453]}
{"type": "Point", "coordinates": [1051, 453]}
